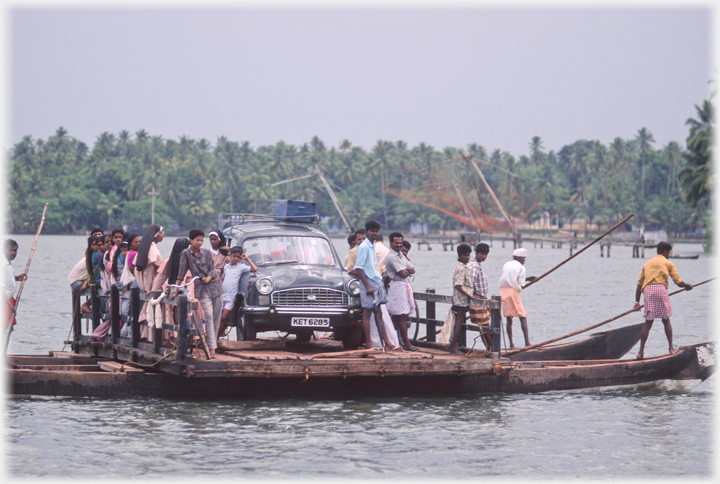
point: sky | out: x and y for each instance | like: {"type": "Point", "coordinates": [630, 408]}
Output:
{"type": "Point", "coordinates": [473, 73]}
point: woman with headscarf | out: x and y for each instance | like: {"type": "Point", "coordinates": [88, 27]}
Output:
{"type": "Point", "coordinates": [127, 278]}
{"type": "Point", "coordinates": [218, 250]}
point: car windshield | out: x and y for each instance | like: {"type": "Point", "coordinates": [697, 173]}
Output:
{"type": "Point", "coordinates": [289, 249]}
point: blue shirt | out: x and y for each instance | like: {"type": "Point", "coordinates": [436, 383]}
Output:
{"type": "Point", "coordinates": [231, 282]}
{"type": "Point", "coordinates": [366, 261]}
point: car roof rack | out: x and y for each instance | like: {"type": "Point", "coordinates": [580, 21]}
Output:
{"type": "Point", "coordinates": [227, 220]}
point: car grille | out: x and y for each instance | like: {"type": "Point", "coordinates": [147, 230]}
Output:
{"type": "Point", "coordinates": [310, 297]}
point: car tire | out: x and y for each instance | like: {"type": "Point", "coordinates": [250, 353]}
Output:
{"type": "Point", "coordinates": [304, 336]}
{"type": "Point", "coordinates": [246, 330]}
{"type": "Point", "coordinates": [352, 337]}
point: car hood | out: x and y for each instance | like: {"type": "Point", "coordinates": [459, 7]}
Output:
{"type": "Point", "coordinates": [294, 275]}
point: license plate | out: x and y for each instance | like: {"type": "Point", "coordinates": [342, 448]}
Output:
{"type": "Point", "coordinates": [311, 322]}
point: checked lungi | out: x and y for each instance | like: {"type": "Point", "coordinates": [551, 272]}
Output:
{"type": "Point", "coordinates": [400, 298]}
{"type": "Point", "coordinates": [657, 302]}
{"type": "Point", "coordinates": [379, 295]}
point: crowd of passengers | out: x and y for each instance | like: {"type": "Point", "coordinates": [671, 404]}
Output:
{"type": "Point", "coordinates": [221, 275]}
{"type": "Point", "coordinates": [127, 260]}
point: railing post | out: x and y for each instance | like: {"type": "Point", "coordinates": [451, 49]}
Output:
{"type": "Point", "coordinates": [115, 314]}
{"type": "Point", "coordinates": [135, 315]}
{"type": "Point", "coordinates": [496, 325]}
{"type": "Point", "coordinates": [430, 314]}
{"type": "Point", "coordinates": [157, 332]}
{"type": "Point", "coordinates": [77, 320]}
{"type": "Point", "coordinates": [95, 304]}
{"type": "Point", "coordinates": [182, 338]}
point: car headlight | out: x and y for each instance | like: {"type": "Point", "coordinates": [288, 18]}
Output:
{"type": "Point", "coordinates": [264, 285]}
{"type": "Point", "coordinates": [354, 287]}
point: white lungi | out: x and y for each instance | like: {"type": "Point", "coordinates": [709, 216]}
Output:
{"type": "Point", "coordinates": [389, 329]}
{"type": "Point", "coordinates": [400, 298]}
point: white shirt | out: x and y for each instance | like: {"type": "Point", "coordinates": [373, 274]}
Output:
{"type": "Point", "coordinates": [513, 275]}
{"type": "Point", "coordinates": [9, 281]}
{"type": "Point", "coordinates": [79, 272]}
{"type": "Point", "coordinates": [380, 251]}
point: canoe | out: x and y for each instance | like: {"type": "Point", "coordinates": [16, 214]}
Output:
{"type": "Point", "coordinates": [684, 256]}
{"type": "Point", "coordinates": [605, 345]}
{"type": "Point", "coordinates": [344, 376]}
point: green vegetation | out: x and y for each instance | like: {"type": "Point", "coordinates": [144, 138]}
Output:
{"type": "Point", "coordinates": [109, 184]}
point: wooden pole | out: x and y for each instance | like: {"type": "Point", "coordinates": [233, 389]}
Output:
{"type": "Point", "coordinates": [579, 251]}
{"type": "Point", "coordinates": [13, 311]}
{"type": "Point", "coordinates": [469, 159]}
{"type": "Point", "coordinates": [532, 347]}
{"type": "Point", "coordinates": [334, 199]}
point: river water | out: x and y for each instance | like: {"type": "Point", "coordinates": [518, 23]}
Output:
{"type": "Point", "coordinates": [635, 432]}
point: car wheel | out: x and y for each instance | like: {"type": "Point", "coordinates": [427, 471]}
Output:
{"type": "Point", "coordinates": [352, 337]}
{"type": "Point", "coordinates": [304, 336]}
{"type": "Point", "coordinates": [246, 330]}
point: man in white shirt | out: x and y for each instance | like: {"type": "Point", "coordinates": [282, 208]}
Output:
{"type": "Point", "coordinates": [11, 248]}
{"type": "Point", "coordinates": [380, 252]}
{"type": "Point", "coordinates": [511, 285]}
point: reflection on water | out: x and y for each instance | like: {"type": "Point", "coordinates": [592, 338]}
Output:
{"type": "Point", "coordinates": [645, 432]}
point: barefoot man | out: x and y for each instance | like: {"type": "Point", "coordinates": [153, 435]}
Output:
{"type": "Point", "coordinates": [511, 285]}
{"type": "Point", "coordinates": [653, 283]}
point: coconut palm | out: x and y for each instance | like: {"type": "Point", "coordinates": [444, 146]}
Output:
{"type": "Point", "coordinates": [696, 176]}
{"type": "Point", "coordinates": [644, 139]}
{"type": "Point", "coordinates": [110, 203]}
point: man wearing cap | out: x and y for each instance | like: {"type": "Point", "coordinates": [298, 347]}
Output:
{"type": "Point", "coordinates": [511, 285]}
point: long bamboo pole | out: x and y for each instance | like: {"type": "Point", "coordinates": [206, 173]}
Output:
{"type": "Point", "coordinates": [13, 312]}
{"type": "Point", "coordinates": [579, 251]}
{"type": "Point", "coordinates": [532, 347]}
{"type": "Point", "coordinates": [334, 199]}
{"type": "Point", "coordinates": [470, 160]}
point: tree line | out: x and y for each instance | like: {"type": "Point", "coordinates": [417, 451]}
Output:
{"type": "Point", "coordinates": [110, 182]}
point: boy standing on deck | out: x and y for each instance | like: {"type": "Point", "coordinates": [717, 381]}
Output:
{"type": "Point", "coordinates": [232, 275]}
{"type": "Point", "coordinates": [511, 285]}
{"type": "Point", "coordinates": [208, 288]}
{"type": "Point", "coordinates": [462, 293]}
{"type": "Point", "coordinates": [480, 315]}
{"type": "Point", "coordinates": [653, 283]}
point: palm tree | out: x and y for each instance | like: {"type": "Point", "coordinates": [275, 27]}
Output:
{"type": "Point", "coordinates": [673, 155]}
{"type": "Point", "coordinates": [345, 145]}
{"type": "Point", "coordinates": [110, 203]}
{"type": "Point", "coordinates": [696, 176]}
{"type": "Point", "coordinates": [644, 138]}
{"type": "Point", "coordinates": [536, 150]}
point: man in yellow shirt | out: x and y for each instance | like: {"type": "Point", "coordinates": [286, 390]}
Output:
{"type": "Point", "coordinates": [653, 283]}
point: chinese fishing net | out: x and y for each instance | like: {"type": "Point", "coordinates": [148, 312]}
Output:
{"type": "Point", "coordinates": [454, 187]}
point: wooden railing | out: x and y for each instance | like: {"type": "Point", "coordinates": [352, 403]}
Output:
{"type": "Point", "coordinates": [431, 322]}
{"type": "Point", "coordinates": [136, 301]}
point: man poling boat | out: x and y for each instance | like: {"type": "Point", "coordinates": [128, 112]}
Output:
{"type": "Point", "coordinates": [12, 303]}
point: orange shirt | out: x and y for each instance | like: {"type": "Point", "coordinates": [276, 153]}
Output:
{"type": "Point", "coordinates": [656, 271]}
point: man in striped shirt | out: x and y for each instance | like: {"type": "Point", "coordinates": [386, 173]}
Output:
{"type": "Point", "coordinates": [478, 315]}
{"type": "Point", "coordinates": [653, 284]}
